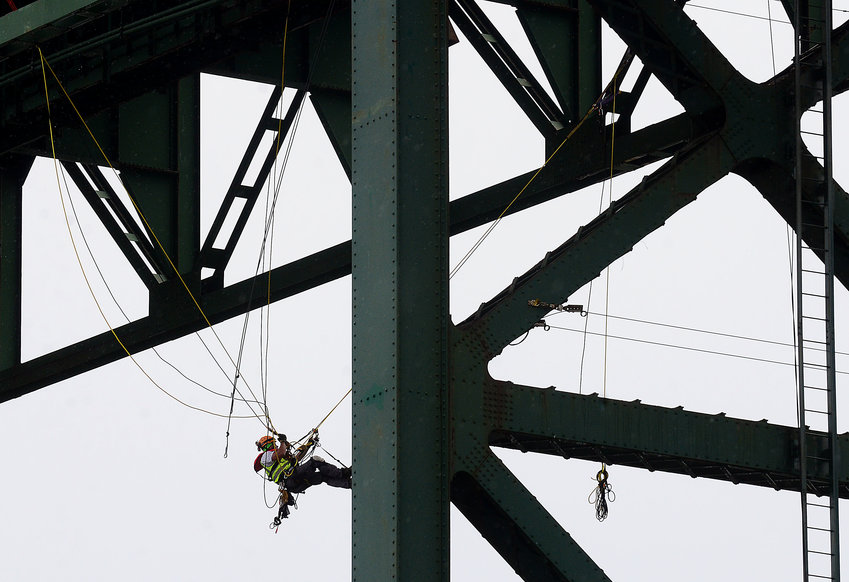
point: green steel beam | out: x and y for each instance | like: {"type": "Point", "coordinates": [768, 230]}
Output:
{"type": "Point", "coordinates": [400, 290]}
{"type": "Point", "coordinates": [567, 42]}
{"type": "Point", "coordinates": [396, 153]}
{"type": "Point", "coordinates": [675, 50]}
{"type": "Point", "coordinates": [581, 162]}
{"type": "Point", "coordinates": [186, 205]}
{"type": "Point", "coordinates": [644, 146]}
{"type": "Point", "coordinates": [334, 111]}
{"type": "Point", "coordinates": [546, 29]}
{"type": "Point", "coordinates": [41, 19]}
{"type": "Point", "coordinates": [107, 60]}
{"type": "Point", "coordinates": [650, 437]}
{"type": "Point", "coordinates": [755, 121]}
{"type": "Point", "coordinates": [596, 245]}
{"type": "Point", "coordinates": [511, 519]}
{"type": "Point", "coordinates": [13, 172]}
{"type": "Point", "coordinates": [117, 221]}
{"type": "Point", "coordinates": [181, 319]}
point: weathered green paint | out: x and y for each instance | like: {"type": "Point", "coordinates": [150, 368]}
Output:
{"type": "Point", "coordinates": [702, 443]}
{"type": "Point", "coordinates": [379, 89]}
{"type": "Point", "coordinates": [38, 15]}
{"type": "Point", "coordinates": [187, 220]}
{"type": "Point", "coordinates": [334, 111]}
{"type": "Point", "coordinates": [581, 258]}
{"type": "Point", "coordinates": [400, 283]}
{"type": "Point", "coordinates": [514, 522]}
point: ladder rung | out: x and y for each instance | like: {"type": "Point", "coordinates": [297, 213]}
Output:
{"type": "Point", "coordinates": [819, 528]}
{"type": "Point", "coordinates": [819, 504]}
{"type": "Point", "coordinates": [812, 225]}
{"type": "Point", "coordinates": [812, 317]}
{"type": "Point", "coordinates": [814, 366]}
{"type": "Point", "coordinates": [818, 576]}
{"type": "Point", "coordinates": [812, 271]}
{"type": "Point", "coordinates": [819, 388]}
{"type": "Point", "coordinates": [814, 295]}
{"type": "Point", "coordinates": [815, 412]}
{"type": "Point", "coordinates": [818, 552]}
{"type": "Point", "coordinates": [811, 133]}
{"type": "Point", "coordinates": [814, 341]}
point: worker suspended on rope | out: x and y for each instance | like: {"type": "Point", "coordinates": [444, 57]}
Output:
{"type": "Point", "coordinates": [292, 473]}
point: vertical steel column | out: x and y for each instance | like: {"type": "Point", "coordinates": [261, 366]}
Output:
{"type": "Point", "coordinates": [12, 175]}
{"type": "Point", "coordinates": [188, 167]}
{"type": "Point", "coordinates": [589, 57]}
{"type": "Point", "coordinates": [400, 281]}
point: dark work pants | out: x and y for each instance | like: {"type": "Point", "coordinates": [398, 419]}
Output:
{"type": "Point", "coordinates": [314, 472]}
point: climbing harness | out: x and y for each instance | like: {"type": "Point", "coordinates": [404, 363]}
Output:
{"type": "Point", "coordinates": [600, 495]}
{"type": "Point", "coordinates": [304, 451]}
{"type": "Point", "coordinates": [284, 501]}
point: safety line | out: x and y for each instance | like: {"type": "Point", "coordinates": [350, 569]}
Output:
{"type": "Point", "coordinates": [45, 65]}
{"type": "Point", "coordinates": [141, 215]}
{"type": "Point", "coordinates": [688, 348]}
{"type": "Point", "coordinates": [79, 259]}
{"type": "Point", "coordinates": [525, 187]}
{"type": "Point", "coordinates": [732, 12]}
{"type": "Point", "coordinates": [492, 226]}
{"type": "Point", "coordinates": [609, 204]}
{"type": "Point", "coordinates": [263, 354]}
{"type": "Point", "coordinates": [269, 223]}
{"type": "Point", "coordinates": [334, 408]}
{"type": "Point", "coordinates": [105, 283]}
{"type": "Point", "coordinates": [590, 291]}
{"type": "Point", "coordinates": [705, 331]}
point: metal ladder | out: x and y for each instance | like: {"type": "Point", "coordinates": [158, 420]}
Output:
{"type": "Point", "coordinates": [815, 293]}
{"type": "Point", "coordinates": [240, 198]}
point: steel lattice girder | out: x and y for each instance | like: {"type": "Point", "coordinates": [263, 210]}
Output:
{"type": "Point", "coordinates": [730, 125]}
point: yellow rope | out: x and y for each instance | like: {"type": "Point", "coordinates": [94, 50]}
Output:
{"type": "Point", "coordinates": [79, 260]}
{"type": "Point", "coordinates": [525, 187]}
{"type": "Point", "coordinates": [607, 270]}
{"type": "Point", "coordinates": [334, 408]}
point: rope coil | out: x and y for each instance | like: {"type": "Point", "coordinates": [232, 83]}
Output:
{"type": "Point", "coordinates": [600, 495]}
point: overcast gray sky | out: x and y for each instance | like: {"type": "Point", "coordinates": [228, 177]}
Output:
{"type": "Point", "coordinates": [105, 476]}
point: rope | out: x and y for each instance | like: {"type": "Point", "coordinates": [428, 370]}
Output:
{"type": "Point", "coordinates": [700, 350]}
{"type": "Point", "coordinates": [331, 455]}
{"type": "Point", "coordinates": [607, 270]}
{"type": "Point", "coordinates": [105, 283]}
{"type": "Point", "coordinates": [45, 66]}
{"type": "Point", "coordinates": [492, 226]}
{"type": "Point", "coordinates": [270, 214]}
{"type": "Point", "coordinates": [600, 494]}
{"type": "Point", "coordinates": [334, 408]}
{"type": "Point", "coordinates": [705, 331]}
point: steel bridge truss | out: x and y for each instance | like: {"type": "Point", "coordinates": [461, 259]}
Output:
{"type": "Point", "coordinates": [418, 378]}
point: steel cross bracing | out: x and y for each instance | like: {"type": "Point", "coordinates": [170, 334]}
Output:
{"type": "Point", "coordinates": [127, 63]}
